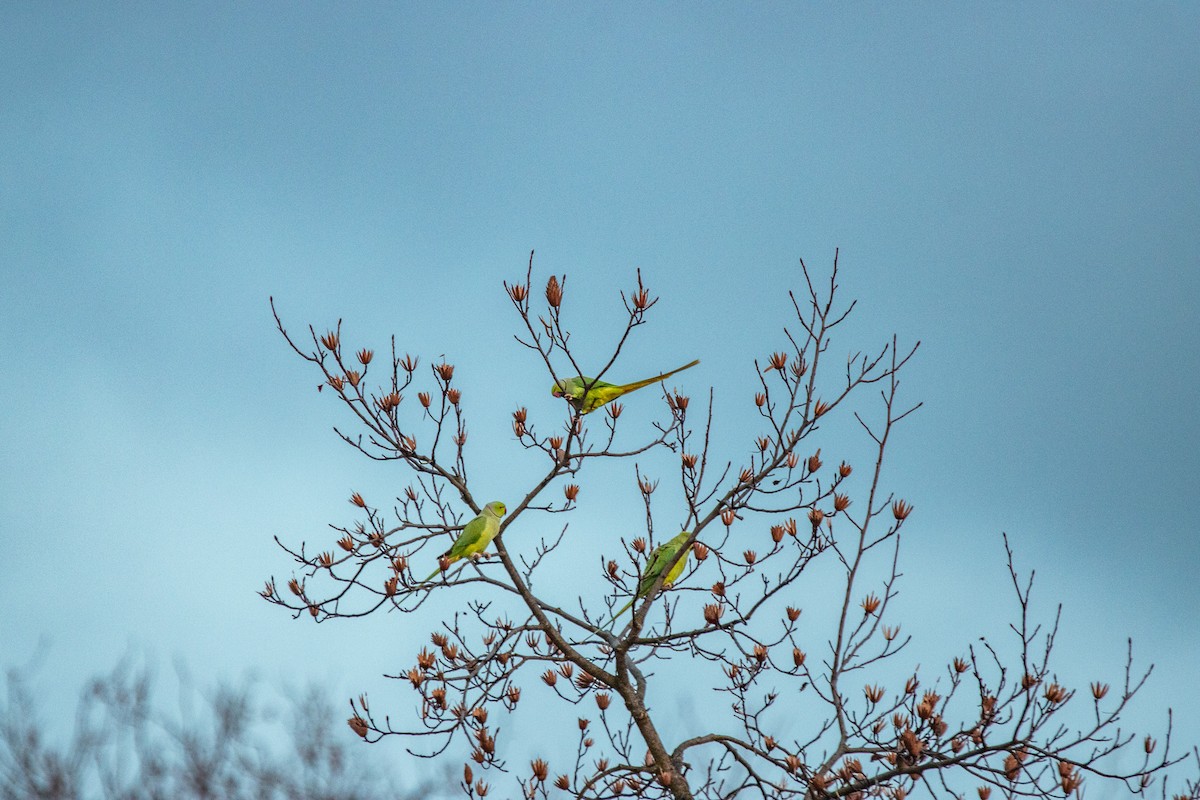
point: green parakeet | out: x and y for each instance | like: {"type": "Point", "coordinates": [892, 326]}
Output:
{"type": "Point", "coordinates": [600, 392]}
{"type": "Point", "coordinates": [660, 557]}
{"type": "Point", "coordinates": [476, 535]}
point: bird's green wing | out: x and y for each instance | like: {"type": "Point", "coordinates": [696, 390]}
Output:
{"type": "Point", "coordinates": [472, 540]}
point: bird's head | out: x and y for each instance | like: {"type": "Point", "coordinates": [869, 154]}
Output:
{"type": "Point", "coordinates": [558, 389]}
{"type": "Point", "coordinates": [496, 508]}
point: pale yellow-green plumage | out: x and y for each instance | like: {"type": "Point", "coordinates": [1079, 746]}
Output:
{"type": "Point", "coordinates": [587, 394]}
{"type": "Point", "coordinates": [660, 557]}
{"type": "Point", "coordinates": [476, 535]}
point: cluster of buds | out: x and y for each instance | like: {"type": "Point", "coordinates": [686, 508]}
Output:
{"type": "Point", "coordinates": [871, 603]}
{"type": "Point", "coordinates": [389, 402]}
{"type": "Point", "coordinates": [444, 371]}
{"type": "Point", "coordinates": [1055, 694]}
{"type": "Point", "coordinates": [554, 292]}
{"type": "Point", "coordinates": [330, 340]}
{"type": "Point", "coordinates": [518, 292]}
{"type": "Point", "coordinates": [928, 705]}
{"type": "Point", "coordinates": [1069, 777]}
{"type": "Point", "coordinates": [353, 377]}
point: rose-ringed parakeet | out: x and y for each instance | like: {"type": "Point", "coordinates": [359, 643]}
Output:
{"type": "Point", "coordinates": [660, 557]}
{"type": "Point", "coordinates": [586, 394]}
{"type": "Point", "coordinates": [476, 535]}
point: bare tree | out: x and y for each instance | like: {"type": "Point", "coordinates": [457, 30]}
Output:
{"type": "Point", "coordinates": [994, 718]}
{"type": "Point", "coordinates": [228, 744]}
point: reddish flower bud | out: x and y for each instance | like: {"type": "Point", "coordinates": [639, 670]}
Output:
{"type": "Point", "coordinates": [750, 556]}
{"type": "Point", "coordinates": [365, 356]}
{"type": "Point", "coordinates": [330, 340]}
{"type": "Point", "coordinates": [798, 656]}
{"type": "Point", "coordinates": [901, 509]}
{"type": "Point", "coordinates": [700, 551]}
{"type": "Point", "coordinates": [424, 398]}
{"type": "Point", "coordinates": [554, 293]}
{"type": "Point", "coordinates": [820, 408]}
{"type": "Point", "coordinates": [326, 560]}
{"type": "Point", "coordinates": [712, 613]}
{"type": "Point", "coordinates": [871, 604]}
{"type": "Point", "coordinates": [571, 491]}
{"type": "Point", "coordinates": [562, 782]}
{"type": "Point", "coordinates": [358, 725]}
{"type": "Point", "coordinates": [776, 533]}
{"type": "Point", "coordinates": [718, 588]}
{"type": "Point", "coordinates": [689, 460]}
{"type": "Point", "coordinates": [468, 775]}
{"type": "Point", "coordinates": [454, 396]}
{"type": "Point", "coordinates": [889, 633]}
{"type": "Point", "coordinates": [445, 371]}
{"type": "Point", "coordinates": [960, 665]}
{"type": "Point", "coordinates": [518, 292]}
{"type": "Point", "coordinates": [390, 586]}
{"type": "Point", "coordinates": [639, 544]}
{"type": "Point", "coordinates": [555, 442]}
{"type": "Point", "coordinates": [763, 443]}
{"type": "Point", "coordinates": [793, 614]}
{"type": "Point", "coordinates": [777, 361]}
{"type": "Point", "coordinates": [746, 476]}
{"type": "Point", "coordinates": [296, 587]}
{"type": "Point", "coordinates": [760, 399]}
{"type": "Point", "coordinates": [1099, 690]}
{"type": "Point", "coordinates": [840, 502]}
{"type": "Point", "coordinates": [603, 699]}
{"type": "Point", "coordinates": [550, 677]}
{"type": "Point", "coordinates": [357, 500]}
{"type": "Point", "coordinates": [728, 515]}
{"type": "Point", "coordinates": [814, 461]}
{"type": "Point", "coordinates": [815, 515]}
{"type": "Point", "coordinates": [615, 409]}
{"type": "Point", "coordinates": [874, 693]}
{"type": "Point", "coordinates": [845, 469]}
{"type": "Point", "coordinates": [792, 460]}
{"type": "Point", "coordinates": [540, 769]}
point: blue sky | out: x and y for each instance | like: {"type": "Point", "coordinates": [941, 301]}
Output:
{"type": "Point", "coordinates": [1016, 186]}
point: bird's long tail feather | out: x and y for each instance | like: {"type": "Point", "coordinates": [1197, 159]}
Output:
{"type": "Point", "coordinates": [629, 387]}
{"type": "Point", "coordinates": [624, 608]}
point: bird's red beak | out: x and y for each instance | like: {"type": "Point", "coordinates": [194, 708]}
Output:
{"type": "Point", "coordinates": [557, 391]}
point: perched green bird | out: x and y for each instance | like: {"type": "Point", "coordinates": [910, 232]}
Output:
{"type": "Point", "coordinates": [599, 392]}
{"type": "Point", "coordinates": [660, 557]}
{"type": "Point", "coordinates": [476, 536]}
